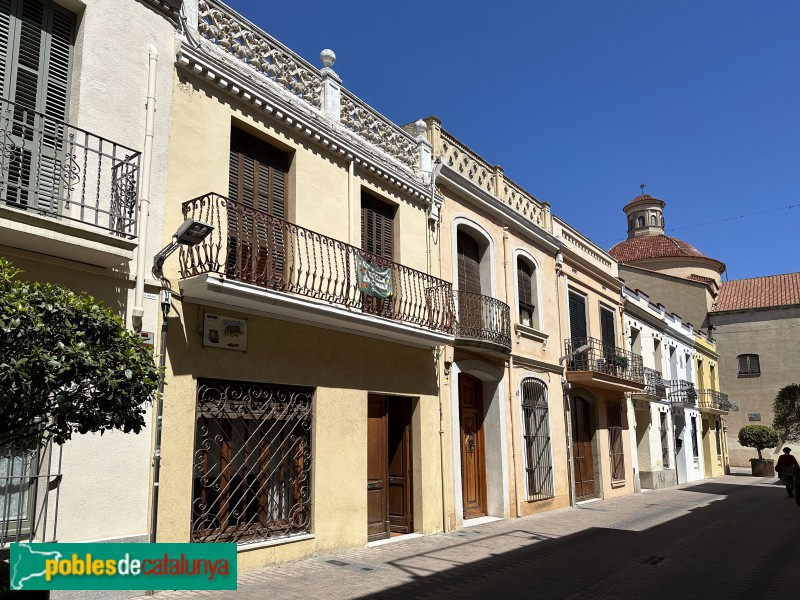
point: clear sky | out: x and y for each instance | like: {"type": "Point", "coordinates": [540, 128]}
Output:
{"type": "Point", "coordinates": [581, 101]}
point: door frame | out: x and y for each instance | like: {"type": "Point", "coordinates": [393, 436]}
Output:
{"type": "Point", "coordinates": [480, 444]}
{"type": "Point", "coordinates": [597, 464]}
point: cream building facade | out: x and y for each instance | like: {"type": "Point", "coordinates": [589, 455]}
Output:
{"type": "Point", "coordinates": [79, 176]}
{"type": "Point", "coordinates": [305, 350]}
{"type": "Point", "coordinates": [714, 406]}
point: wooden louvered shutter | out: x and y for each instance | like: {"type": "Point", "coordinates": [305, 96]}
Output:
{"type": "Point", "coordinates": [577, 316]}
{"type": "Point", "coordinates": [525, 285]}
{"type": "Point", "coordinates": [607, 327]}
{"type": "Point", "coordinates": [469, 264]}
{"type": "Point", "coordinates": [37, 47]}
{"type": "Point", "coordinates": [257, 184]}
{"type": "Point", "coordinates": [377, 227]}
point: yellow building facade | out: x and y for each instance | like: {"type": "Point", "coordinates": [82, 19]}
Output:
{"type": "Point", "coordinates": [714, 406]}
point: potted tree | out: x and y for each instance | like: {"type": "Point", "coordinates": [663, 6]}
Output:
{"type": "Point", "coordinates": [760, 437]}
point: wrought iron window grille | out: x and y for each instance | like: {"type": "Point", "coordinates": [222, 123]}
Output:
{"type": "Point", "coordinates": [536, 437]}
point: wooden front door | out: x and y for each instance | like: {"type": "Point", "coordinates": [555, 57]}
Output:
{"type": "Point", "coordinates": [473, 460]}
{"type": "Point", "coordinates": [583, 457]}
{"type": "Point", "coordinates": [388, 466]}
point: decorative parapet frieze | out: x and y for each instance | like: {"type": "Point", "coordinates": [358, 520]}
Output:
{"type": "Point", "coordinates": [258, 50]}
{"type": "Point", "coordinates": [377, 129]}
{"type": "Point", "coordinates": [467, 163]}
{"type": "Point", "coordinates": [521, 201]}
{"type": "Point", "coordinates": [578, 244]}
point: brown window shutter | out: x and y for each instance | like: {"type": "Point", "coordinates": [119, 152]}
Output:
{"type": "Point", "coordinates": [257, 182]}
{"type": "Point", "coordinates": [525, 284]}
{"type": "Point", "coordinates": [577, 316]}
{"type": "Point", "coordinates": [469, 267]}
{"type": "Point", "coordinates": [377, 227]}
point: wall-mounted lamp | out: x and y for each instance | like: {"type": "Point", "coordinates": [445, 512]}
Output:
{"type": "Point", "coordinates": [577, 351]}
{"type": "Point", "coordinates": [190, 233]}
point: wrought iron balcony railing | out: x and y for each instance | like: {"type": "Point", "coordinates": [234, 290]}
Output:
{"type": "Point", "coordinates": [713, 400]}
{"type": "Point", "coordinates": [483, 318]}
{"type": "Point", "coordinates": [603, 358]}
{"type": "Point", "coordinates": [58, 170]}
{"type": "Point", "coordinates": [655, 386]}
{"type": "Point", "coordinates": [255, 247]}
{"type": "Point", "coordinates": [682, 392]}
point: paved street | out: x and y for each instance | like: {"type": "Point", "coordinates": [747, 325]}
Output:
{"type": "Point", "coordinates": [730, 537]}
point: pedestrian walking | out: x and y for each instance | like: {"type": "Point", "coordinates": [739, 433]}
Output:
{"type": "Point", "coordinates": [784, 461]}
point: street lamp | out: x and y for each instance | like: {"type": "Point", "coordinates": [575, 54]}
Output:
{"type": "Point", "coordinates": [190, 233]}
{"type": "Point", "coordinates": [577, 351]}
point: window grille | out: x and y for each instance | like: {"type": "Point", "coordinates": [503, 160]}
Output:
{"type": "Point", "coordinates": [664, 441]}
{"type": "Point", "coordinates": [695, 451]}
{"type": "Point", "coordinates": [749, 364]}
{"type": "Point", "coordinates": [252, 462]}
{"type": "Point", "coordinates": [717, 435]}
{"type": "Point", "coordinates": [536, 435]}
{"type": "Point", "coordinates": [616, 452]}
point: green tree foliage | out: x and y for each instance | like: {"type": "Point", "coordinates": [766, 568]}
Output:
{"type": "Point", "coordinates": [787, 413]}
{"type": "Point", "coordinates": [758, 437]}
{"type": "Point", "coordinates": [67, 365]}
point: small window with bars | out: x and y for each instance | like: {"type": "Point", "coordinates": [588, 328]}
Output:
{"type": "Point", "coordinates": [664, 440]}
{"type": "Point", "coordinates": [615, 447]}
{"type": "Point", "coordinates": [717, 431]}
{"type": "Point", "coordinates": [536, 437]}
{"type": "Point", "coordinates": [749, 364]}
{"type": "Point", "coordinates": [252, 462]}
{"type": "Point", "coordinates": [695, 447]}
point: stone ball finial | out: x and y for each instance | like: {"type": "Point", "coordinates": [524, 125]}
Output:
{"type": "Point", "coordinates": [327, 57]}
{"type": "Point", "coordinates": [420, 127]}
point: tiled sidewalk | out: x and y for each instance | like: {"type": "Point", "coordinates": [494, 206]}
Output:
{"type": "Point", "coordinates": [730, 537]}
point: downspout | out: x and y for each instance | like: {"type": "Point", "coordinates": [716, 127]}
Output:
{"type": "Point", "coordinates": [350, 201]}
{"type": "Point", "coordinates": [511, 403]}
{"type": "Point", "coordinates": [564, 383]}
{"type": "Point", "coordinates": [144, 192]}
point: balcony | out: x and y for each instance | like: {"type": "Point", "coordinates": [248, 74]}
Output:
{"type": "Point", "coordinates": [592, 363]}
{"type": "Point", "coordinates": [65, 191]}
{"type": "Point", "coordinates": [655, 388]}
{"type": "Point", "coordinates": [263, 263]}
{"type": "Point", "coordinates": [682, 393]}
{"type": "Point", "coordinates": [482, 322]}
{"type": "Point", "coordinates": [712, 401]}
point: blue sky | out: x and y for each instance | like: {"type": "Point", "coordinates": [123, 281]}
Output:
{"type": "Point", "coordinates": [581, 101]}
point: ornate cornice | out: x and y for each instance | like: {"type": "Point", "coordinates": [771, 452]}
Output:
{"type": "Point", "coordinates": [168, 8]}
{"type": "Point", "coordinates": [207, 61]}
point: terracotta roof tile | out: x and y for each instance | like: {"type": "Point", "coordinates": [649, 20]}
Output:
{"type": "Point", "coordinates": [700, 278]}
{"type": "Point", "coordinates": [759, 292]}
{"type": "Point", "coordinates": [642, 199]}
{"type": "Point", "coordinates": [653, 246]}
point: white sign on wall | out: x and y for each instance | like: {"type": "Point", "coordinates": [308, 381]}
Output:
{"type": "Point", "coordinates": [224, 332]}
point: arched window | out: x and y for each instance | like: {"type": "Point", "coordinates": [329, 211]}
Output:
{"type": "Point", "coordinates": [536, 439]}
{"type": "Point", "coordinates": [749, 364]}
{"type": "Point", "coordinates": [526, 297]}
{"type": "Point", "coordinates": [662, 221]}
{"type": "Point", "coordinates": [640, 221]}
{"type": "Point", "coordinates": [653, 220]}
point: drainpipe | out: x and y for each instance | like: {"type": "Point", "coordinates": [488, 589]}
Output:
{"type": "Point", "coordinates": [567, 409]}
{"type": "Point", "coordinates": [144, 193]}
{"type": "Point", "coordinates": [511, 403]}
{"type": "Point", "coordinates": [350, 201]}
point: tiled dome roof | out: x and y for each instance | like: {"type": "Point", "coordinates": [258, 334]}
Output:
{"type": "Point", "coordinates": [644, 198]}
{"type": "Point", "coordinates": [655, 246]}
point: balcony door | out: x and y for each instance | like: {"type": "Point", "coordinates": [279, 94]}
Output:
{"type": "Point", "coordinates": [36, 47]}
{"type": "Point", "coordinates": [256, 226]}
{"type": "Point", "coordinates": [470, 305]}
{"type": "Point", "coordinates": [377, 242]}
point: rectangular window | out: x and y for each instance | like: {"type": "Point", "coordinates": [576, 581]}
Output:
{"type": "Point", "coordinates": [664, 441]}
{"type": "Point", "coordinates": [536, 435]}
{"type": "Point", "coordinates": [749, 364]}
{"type": "Point", "coordinates": [377, 227]}
{"type": "Point", "coordinates": [252, 462]}
{"type": "Point", "coordinates": [36, 48]}
{"type": "Point", "coordinates": [257, 186]}
{"type": "Point", "coordinates": [617, 455]}
{"type": "Point", "coordinates": [577, 317]}
{"type": "Point", "coordinates": [695, 451]}
{"type": "Point", "coordinates": [16, 495]}
{"type": "Point", "coordinates": [718, 437]}
{"type": "Point", "coordinates": [526, 293]}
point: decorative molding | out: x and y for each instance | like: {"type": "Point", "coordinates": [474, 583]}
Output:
{"type": "Point", "coordinates": [208, 62]}
{"type": "Point", "coordinates": [259, 51]}
{"type": "Point", "coordinates": [467, 164]}
{"type": "Point", "coordinates": [168, 8]}
{"type": "Point", "coordinates": [377, 129]}
{"type": "Point", "coordinates": [585, 248]}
